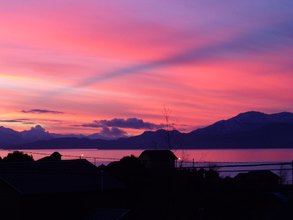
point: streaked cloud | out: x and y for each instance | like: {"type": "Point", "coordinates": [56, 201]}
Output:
{"type": "Point", "coordinates": [24, 121]}
{"type": "Point", "coordinates": [11, 120]}
{"type": "Point", "coordinates": [250, 44]}
{"type": "Point", "coordinates": [41, 111]}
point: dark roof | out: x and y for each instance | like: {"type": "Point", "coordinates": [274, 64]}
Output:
{"type": "Point", "coordinates": [241, 175]}
{"type": "Point", "coordinates": [56, 154]}
{"type": "Point", "coordinates": [263, 173]}
{"type": "Point", "coordinates": [108, 214]}
{"type": "Point", "coordinates": [53, 157]}
{"type": "Point", "coordinates": [258, 176]}
{"type": "Point", "coordinates": [159, 155]}
{"type": "Point", "coordinates": [258, 173]}
{"type": "Point", "coordinates": [54, 176]}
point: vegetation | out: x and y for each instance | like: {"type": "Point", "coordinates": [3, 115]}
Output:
{"type": "Point", "coordinates": [17, 156]}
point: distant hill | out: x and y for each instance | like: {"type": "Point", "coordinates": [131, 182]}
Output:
{"type": "Point", "coordinates": [246, 130]}
{"type": "Point", "coordinates": [9, 137]}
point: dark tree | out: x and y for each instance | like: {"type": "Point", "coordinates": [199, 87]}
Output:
{"type": "Point", "coordinates": [126, 163]}
{"type": "Point", "coordinates": [17, 156]}
{"type": "Point", "coordinates": [129, 170]}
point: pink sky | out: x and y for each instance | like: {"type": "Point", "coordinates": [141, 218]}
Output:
{"type": "Point", "coordinates": [85, 61]}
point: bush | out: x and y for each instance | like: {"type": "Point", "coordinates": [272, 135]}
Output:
{"type": "Point", "coordinates": [17, 156]}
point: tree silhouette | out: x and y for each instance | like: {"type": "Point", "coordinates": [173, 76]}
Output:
{"type": "Point", "coordinates": [17, 156]}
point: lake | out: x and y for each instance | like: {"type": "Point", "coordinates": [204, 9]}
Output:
{"type": "Point", "coordinates": [189, 158]}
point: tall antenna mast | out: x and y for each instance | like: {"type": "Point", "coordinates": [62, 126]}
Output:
{"type": "Point", "coordinates": [166, 115]}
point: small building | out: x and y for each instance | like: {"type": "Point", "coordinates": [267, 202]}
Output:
{"type": "Point", "coordinates": [64, 176]}
{"type": "Point", "coordinates": [65, 189]}
{"type": "Point", "coordinates": [258, 177]}
{"type": "Point", "coordinates": [56, 156]}
{"type": "Point", "coordinates": [108, 214]}
{"type": "Point", "coordinates": [158, 159]}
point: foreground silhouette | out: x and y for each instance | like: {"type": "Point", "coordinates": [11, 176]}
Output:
{"type": "Point", "coordinates": [200, 193]}
{"type": "Point", "coordinates": [136, 188]}
{"type": "Point", "coordinates": [17, 156]}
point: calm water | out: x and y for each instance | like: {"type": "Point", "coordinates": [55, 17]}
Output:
{"type": "Point", "coordinates": [187, 158]}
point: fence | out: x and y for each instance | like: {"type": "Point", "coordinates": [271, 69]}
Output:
{"type": "Point", "coordinates": [282, 169]}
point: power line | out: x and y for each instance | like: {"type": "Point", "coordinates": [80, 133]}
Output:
{"type": "Point", "coordinates": [214, 164]}
{"type": "Point", "coordinates": [243, 165]}
{"type": "Point", "coordinates": [73, 156]}
{"type": "Point", "coordinates": [230, 171]}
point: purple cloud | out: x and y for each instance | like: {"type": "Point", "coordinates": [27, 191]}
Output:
{"type": "Point", "coordinates": [11, 121]}
{"type": "Point", "coordinates": [109, 134]}
{"type": "Point", "coordinates": [134, 123]}
{"type": "Point", "coordinates": [113, 132]}
{"type": "Point", "coordinates": [20, 120]}
{"type": "Point", "coordinates": [41, 111]}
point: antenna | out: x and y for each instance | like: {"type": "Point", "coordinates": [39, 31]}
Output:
{"type": "Point", "coordinates": [166, 116]}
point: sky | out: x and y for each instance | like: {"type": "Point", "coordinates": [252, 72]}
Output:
{"type": "Point", "coordinates": [120, 67]}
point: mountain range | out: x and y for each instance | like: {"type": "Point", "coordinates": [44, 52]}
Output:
{"type": "Point", "coordinates": [246, 130]}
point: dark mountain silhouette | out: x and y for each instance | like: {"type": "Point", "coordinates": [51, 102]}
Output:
{"type": "Point", "coordinates": [246, 130]}
{"type": "Point", "coordinates": [9, 137]}
{"type": "Point", "coordinates": [103, 136]}
{"type": "Point", "coordinates": [36, 133]}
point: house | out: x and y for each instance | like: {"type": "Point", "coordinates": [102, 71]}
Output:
{"type": "Point", "coordinates": [65, 189]}
{"type": "Point", "coordinates": [158, 159]}
{"type": "Point", "coordinates": [258, 177]}
{"type": "Point", "coordinates": [56, 156]}
{"type": "Point", "coordinates": [107, 214]}
{"type": "Point", "coordinates": [50, 176]}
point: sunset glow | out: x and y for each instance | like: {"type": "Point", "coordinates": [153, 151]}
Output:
{"type": "Point", "coordinates": [69, 65]}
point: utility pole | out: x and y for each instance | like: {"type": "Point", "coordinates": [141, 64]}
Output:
{"type": "Point", "coordinates": [292, 172]}
{"type": "Point", "coordinates": [166, 115]}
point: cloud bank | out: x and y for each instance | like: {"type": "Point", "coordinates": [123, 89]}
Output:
{"type": "Point", "coordinates": [133, 123]}
{"type": "Point", "coordinates": [19, 120]}
{"type": "Point", "coordinates": [41, 111]}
